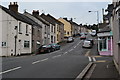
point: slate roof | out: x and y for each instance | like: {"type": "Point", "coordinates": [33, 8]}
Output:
{"type": "Point", "coordinates": [39, 18]}
{"type": "Point", "coordinates": [19, 16]}
{"type": "Point", "coordinates": [54, 19]}
{"type": "Point", "coordinates": [47, 19]}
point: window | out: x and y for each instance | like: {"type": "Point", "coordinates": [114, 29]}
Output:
{"type": "Point", "coordinates": [64, 32]}
{"type": "Point", "coordinates": [33, 30]}
{"type": "Point", "coordinates": [4, 44]}
{"type": "Point", "coordinates": [26, 44]}
{"type": "Point", "coordinates": [45, 30]}
{"type": "Point", "coordinates": [38, 33]}
{"type": "Point", "coordinates": [54, 30]}
{"type": "Point", "coordinates": [20, 27]}
{"type": "Point", "coordinates": [68, 33]}
{"type": "Point", "coordinates": [51, 28]}
{"type": "Point", "coordinates": [57, 37]}
{"type": "Point", "coordinates": [103, 44]}
{"type": "Point", "coordinates": [26, 29]}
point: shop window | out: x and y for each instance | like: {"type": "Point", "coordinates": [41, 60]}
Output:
{"type": "Point", "coordinates": [103, 44]}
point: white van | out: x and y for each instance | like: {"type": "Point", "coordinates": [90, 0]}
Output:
{"type": "Point", "coordinates": [93, 33]}
{"type": "Point", "coordinates": [87, 44]}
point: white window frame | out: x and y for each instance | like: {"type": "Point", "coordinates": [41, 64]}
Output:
{"type": "Point", "coordinates": [26, 43]}
{"type": "Point", "coordinates": [4, 44]}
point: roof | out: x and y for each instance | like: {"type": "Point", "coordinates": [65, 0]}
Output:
{"type": "Point", "coordinates": [39, 18]}
{"type": "Point", "coordinates": [54, 19]}
{"type": "Point", "coordinates": [47, 19]}
{"type": "Point", "coordinates": [19, 16]}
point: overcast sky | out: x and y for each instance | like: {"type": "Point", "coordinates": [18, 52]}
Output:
{"type": "Point", "coordinates": [77, 10]}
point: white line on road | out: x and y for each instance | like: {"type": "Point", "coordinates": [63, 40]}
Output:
{"type": "Point", "coordinates": [56, 56]}
{"type": "Point", "coordinates": [94, 59]}
{"type": "Point", "coordinates": [10, 70]}
{"type": "Point", "coordinates": [75, 46]}
{"type": "Point", "coordinates": [35, 62]}
{"type": "Point", "coordinates": [39, 61]}
{"type": "Point", "coordinates": [65, 52]}
{"type": "Point", "coordinates": [70, 50]}
{"type": "Point", "coordinates": [44, 59]}
{"type": "Point", "coordinates": [90, 59]}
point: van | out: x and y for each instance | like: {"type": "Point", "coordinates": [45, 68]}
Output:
{"type": "Point", "coordinates": [93, 33]}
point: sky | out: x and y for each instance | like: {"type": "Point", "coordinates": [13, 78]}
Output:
{"type": "Point", "coordinates": [76, 10]}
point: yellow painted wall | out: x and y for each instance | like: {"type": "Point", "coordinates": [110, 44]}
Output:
{"type": "Point", "coordinates": [67, 27]}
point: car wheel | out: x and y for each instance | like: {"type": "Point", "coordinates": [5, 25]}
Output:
{"type": "Point", "coordinates": [49, 51]}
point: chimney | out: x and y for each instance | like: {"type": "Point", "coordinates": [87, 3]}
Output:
{"type": "Point", "coordinates": [35, 13]}
{"type": "Point", "coordinates": [65, 18]}
{"type": "Point", "coordinates": [71, 19]}
{"type": "Point", "coordinates": [13, 7]}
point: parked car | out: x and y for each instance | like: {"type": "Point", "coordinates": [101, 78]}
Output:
{"type": "Point", "coordinates": [91, 40]}
{"type": "Point", "coordinates": [86, 33]}
{"type": "Point", "coordinates": [55, 46]}
{"type": "Point", "coordinates": [87, 44]}
{"type": "Point", "coordinates": [45, 48]}
{"type": "Point", "coordinates": [83, 37]}
{"type": "Point", "coordinates": [70, 39]}
{"type": "Point", "coordinates": [93, 33]}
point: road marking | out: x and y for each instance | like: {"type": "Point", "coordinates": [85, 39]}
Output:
{"type": "Point", "coordinates": [84, 71]}
{"type": "Point", "coordinates": [65, 52]}
{"type": "Point", "coordinates": [35, 62]}
{"type": "Point", "coordinates": [10, 70]}
{"type": "Point", "coordinates": [70, 50]}
{"type": "Point", "coordinates": [44, 59]}
{"type": "Point", "coordinates": [56, 56]}
{"type": "Point", "coordinates": [75, 46]}
{"type": "Point", "coordinates": [88, 75]}
{"type": "Point", "coordinates": [101, 61]}
{"type": "Point", "coordinates": [90, 59]}
{"type": "Point", "coordinates": [39, 61]}
{"type": "Point", "coordinates": [87, 53]}
{"type": "Point", "coordinates": [96, 56]}
{"type": "Point", "coordinates": [94, 59]}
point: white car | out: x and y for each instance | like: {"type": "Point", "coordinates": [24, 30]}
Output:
{"type": "Point", "coordinates": [87, 44]}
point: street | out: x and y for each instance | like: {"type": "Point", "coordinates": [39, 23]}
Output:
{"type": "Point", "coordinates": [65, 63]}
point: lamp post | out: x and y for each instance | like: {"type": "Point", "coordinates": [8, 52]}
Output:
{"type": "Point", "coordinates": [97, 17]}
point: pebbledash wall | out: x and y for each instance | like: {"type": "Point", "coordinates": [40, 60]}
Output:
{"type": "Point", "coordinates": [10, 29]}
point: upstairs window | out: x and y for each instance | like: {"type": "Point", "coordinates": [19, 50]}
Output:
{"type": "Point", "coordinates": [26, 29]}
{"type": "Point", "coordinates": [20, 27]}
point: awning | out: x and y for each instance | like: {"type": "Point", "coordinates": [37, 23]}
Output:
{"type": "Point", "coordinates": [104, 34]}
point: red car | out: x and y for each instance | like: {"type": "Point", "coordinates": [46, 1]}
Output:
{"type": "Point", "coordinates": [83, 37]}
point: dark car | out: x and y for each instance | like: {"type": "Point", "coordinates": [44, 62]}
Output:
{"type": "Point", "coordinates": [70, 39]}
{"type": "Point", "coordinates": [55, 46]}
{"type": "Point", "coordinates": [45, 48]}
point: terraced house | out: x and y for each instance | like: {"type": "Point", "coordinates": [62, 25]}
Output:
{"type": "Point", "coordinates": [52, 30]}
{"type": "Point", "coordinates": [45, 30]}
{"type": "Point", "coordinates": [16, 32]}
{"type": "Point", "coordinates": [116, 33]}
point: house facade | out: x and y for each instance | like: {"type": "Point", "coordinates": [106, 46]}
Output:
{"type": "Point", "coordinates": [116, 33]}
{"type": "Point", "coordinates": [16, 32]}
{"type": "Point", "coordinates": [37, 36]}
{"type": "Point", "coordinates": [59, 28]}
{"type": "Point", "coordinates": [67, 27]}
{"type": "Point", "coordinates": [52, 28]}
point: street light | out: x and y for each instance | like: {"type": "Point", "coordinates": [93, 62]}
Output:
{"type": "Point", "coordinates": [97, 17]}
